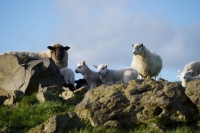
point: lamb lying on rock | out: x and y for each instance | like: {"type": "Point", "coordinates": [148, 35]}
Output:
{"type": "Point", "coordinates": [185, 77]}
{"type": "Point", "coordinates": [147, 63]}
{"type": "Point", "coordinates": [194, 68]}
{"type": "Point", "coordinates": [57, 52]}
{"type": "Point", "coordinates": [109, 76]}
{"type": "Point", "coordinates": [92, 77]}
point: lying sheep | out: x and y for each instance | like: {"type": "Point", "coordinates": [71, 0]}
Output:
{"type": "Point", "coordinates": [57, 52]}
{"type": "Point", "coordinates": [92, 77]}
{"type": "Point", "coordinates": [147, 63]}
{"type": "Point", "coordinates": [80, 83]}
{"type": "Point", "coordinates": [194, 68]}
{"type": "Point", "coordinates": [115, 76]}
{"type": "Point", "coordinates": [69, 78]}
{"type": "Point", "coordinates": [185, 77]}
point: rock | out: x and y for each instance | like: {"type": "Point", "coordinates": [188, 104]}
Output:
{"type": "Point", "coordinates": [45, 96]}
{"type": "Point", "coordinates": [59, 124]}
{"type": "Point", "coordinates": [159, 103]}
{"type": "Point", "coordinates": [192, 90]}
{"type": "Point", "coordinates": [27, 75]}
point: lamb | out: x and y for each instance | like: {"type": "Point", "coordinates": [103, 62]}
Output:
{"type": "Point", "coordinates": [147, 63]}
{"type": "Point", "coordinates": [194, 68]}
{"type": "Point", "coordinates": [92, 77]}
{"type": "Point", "coordinates": [80, 83]}
{"type": "Point", "coordinates": [185, 77]}
{"type": "Point", "coordinates": [109, 76]}
{"type": "Point", "coordinates": [57, 52]}
{"type": "Point", "coordinates": [69, 78]}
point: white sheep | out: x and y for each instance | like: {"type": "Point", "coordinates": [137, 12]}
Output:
{"type": "Point", "coordinates": [109, 76]}
{"type": "Point", "coordinates": [69, 77]}
{"type": "Point", "coordinates": [147, 63]}
{"type": "Point", "coordinates": [185, 77]}
{"type": "Point", "coordinates": [57, 52]}
{"type": "Point", "coordinates": [92, 77]}
{"type": "Point", "coordinates": [194, 68]}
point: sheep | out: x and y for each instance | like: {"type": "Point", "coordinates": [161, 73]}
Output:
{"type": "Point", "coordinates": [57, 52]}
{"type": "Point", "coordinates": [109, 76]}
{"type": "Point", "coordinates": [69, 78]}
{"type": "Point", "coordinates": [80, 83]}
{"type": "Point", "coordinates": [147, 63]}
{"type": "Point", "coordinates": [185, 77]}
{"type": "Point", "coordinates": [92, 77]}
{"type": "Point", "coordinates": [194, 68]}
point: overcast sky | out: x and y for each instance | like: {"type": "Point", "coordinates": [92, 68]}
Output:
{"type": "Point", "coordinates": [102, 32]}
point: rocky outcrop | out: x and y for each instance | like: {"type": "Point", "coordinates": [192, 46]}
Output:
{"type": "Point", "coordinates": [27, 75]}
{"type": "Point", "coordinates": [59, 124]}
{"type": "Point", "coordinates": [158, 103]}
{"type": "Point", "coordinates": [192, 90]}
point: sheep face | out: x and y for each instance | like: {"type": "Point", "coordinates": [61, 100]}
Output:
{"type": "Point", "coordinates": [80, 67]}
{"type": "Point", "coordinates": [137, 48]}
{"type": "Point", "coordinates": [101, 69]}
{"type": "Point", "coordinates": [58, 51]}
{"type": "Point", "coordinates": [185, 75]}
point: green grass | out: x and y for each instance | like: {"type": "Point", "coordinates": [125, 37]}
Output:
{"type": "Point", "coordinates": [30, 113]}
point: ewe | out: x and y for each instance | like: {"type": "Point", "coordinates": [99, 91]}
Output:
{"type": "Point", "coordinates": [57, 52]}
{"type": "Point", "coordinates": [147, 63]}
{"type": "Point", "coordinates": [109, 76]}
{"type": "Point", "coordinates": [92, 77]}
{"type": "Point", "coordinates": [185, 77]}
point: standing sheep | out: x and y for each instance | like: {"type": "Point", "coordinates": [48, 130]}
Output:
{"type": "Point", "coordinates": [57, 52]}
{"type": "Point", "coordinates": [92, 77]}
{"type": "Point", "coordinates": [185, 77]}
{"type": "Point", "coordinates": [109, 76]}
{"type": "Point", "coordinates": [194, 68]}
{"type": "Point", "coordinates": [147, 63]}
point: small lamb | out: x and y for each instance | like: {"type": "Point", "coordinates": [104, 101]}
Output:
{"type": "Point", "coordinates": [69, 78]}
{"type": "Point", "coordinates": [109, 76]}
{"type": "Point", "coordinates": [57, 52]}
{"type": "Point", "coordinates": [147, 63]}
{"type": "Point", "coordinates": [92, 77]}
{"type": "Point", "coordinates": [194, 68]}
{"type": "Point", "coordinates": [80, 83]}
{"type": "Point", "coordinates": [185, 77]}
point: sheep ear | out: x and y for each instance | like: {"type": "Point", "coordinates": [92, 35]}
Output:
{"type": "Point", "coordinates": [141, 45]}
{"type": "Point", "coordinates": [50, 48]}
{"type": "Point", "coordinates": [84, 62]}
{"type": "Point", "coordinates": [106, 65]}
{"type": "Point", "coordinates": [66, 48]}
{"type": "Point", "coordinates": [132, 45]}
{"type": "Point", "coordinates": [179, 71]}
{"type": "Point", "coordinates": [95, 66]}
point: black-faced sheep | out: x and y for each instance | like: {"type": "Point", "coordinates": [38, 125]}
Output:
{"type": "Point", "coordinates": [147, 63]}
{"type": "Point", "coordinates": [80, 83]}
{"type": "Point", "coordinates": [109, 76]}
{"type": "Point", "coordinates": [92, 77]}
{"type": "Point", "coordinates": [57, 52]}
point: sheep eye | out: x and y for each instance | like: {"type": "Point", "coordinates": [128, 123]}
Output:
{"type": "Point", "coordinates": [79, 67]}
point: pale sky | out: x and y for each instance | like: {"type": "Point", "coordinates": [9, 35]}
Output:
{"type": "Point", "coordinates": [101, 32]}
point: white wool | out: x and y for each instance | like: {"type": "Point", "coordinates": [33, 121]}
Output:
{"type": "Point", "coordinates": [147, 63]}
{"type": "Point", "coordinates": [185, 77]}
{"type": "Point", "coordinates": [69, 75]}
{"type": "Point", "coordinates": [194, 68]}
{"type": "Point", "coordinates": [109, 76]}
{"type": "Point", "coordinates": [92, 77]}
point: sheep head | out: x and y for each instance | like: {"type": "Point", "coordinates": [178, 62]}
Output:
{"type": "Point", "coordinates": [101, 69]}
{"type": "Point", "coordinates": [137, 48]}
{"type": "Point", "coordinates": [80, 67]}
{"type": "Point", "coordinates": [58, 51]}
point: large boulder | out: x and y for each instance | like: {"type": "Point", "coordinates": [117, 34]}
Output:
{"type": "Point", "coordinates": [192, 90]}
{"type": "Point", "coordinates": [159, 103]}
{"type": "Point", "coordinates": [27, 75]}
